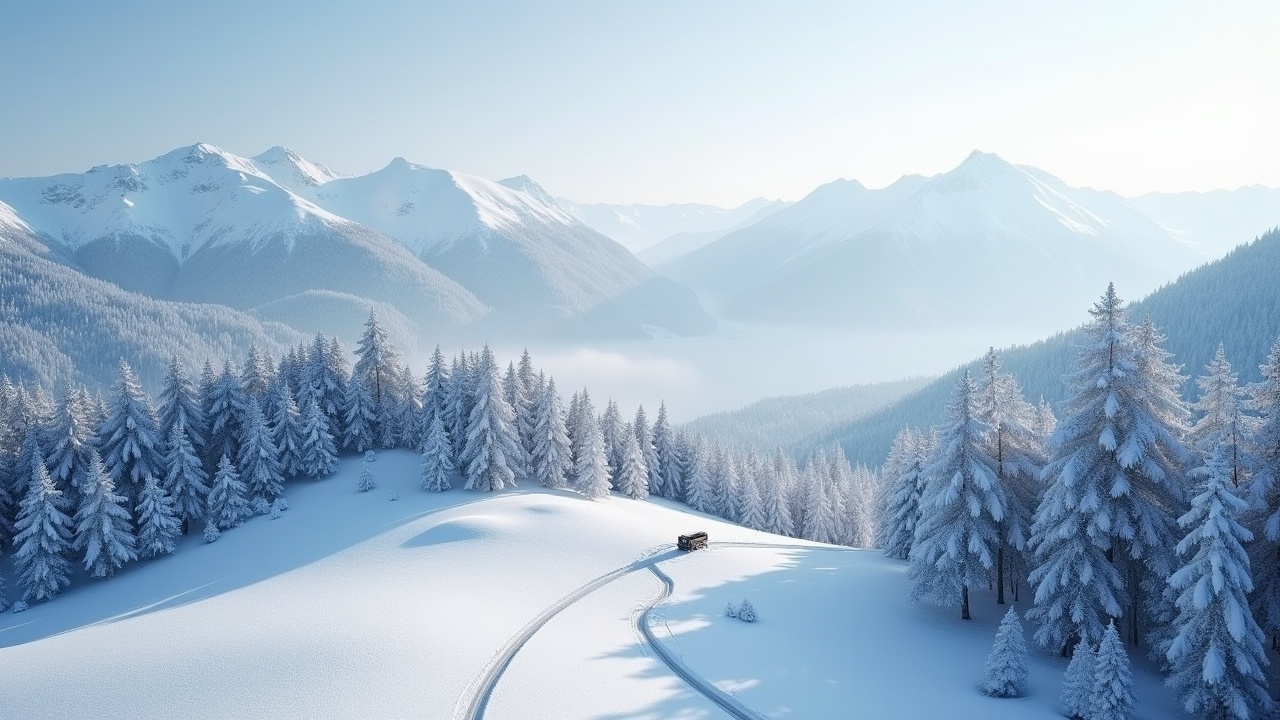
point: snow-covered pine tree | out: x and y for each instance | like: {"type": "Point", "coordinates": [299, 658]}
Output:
{"type": "Point", "coordinates": [224, 410]}
{"type": "Point", "coordinates": [409, 430]}
{"type": "Point", "coordinates": [818, 521]}
{"type": "Point", "coordinates": [435, 386]}
{"type": "Point", "coordinates": [1077, 683]}
{"type": "Point", "coordinates": [963, 503]}
{"type": "Point", "coordinates": [699, 491]}
{"type": "Point", "coordinates": [377, 365]}
{"type": "Point", "coordinates": [437, 458]}
{"type": "Point", "coordinates": [457, 407]}
{"type": "Point", "coordinates": [552, 456]}
{"type": "Point", "coordinates": [158, 523]}
{"type": "Point", "coordinates": [1018, 453]}
{"type": "Point", "coordinates": [611, 430]}
{"type": "Point", "coordinates": [902, 504]}
{"type": "Point", "coordinates": [1113, 697]}
{"type": "Point", "coordinates": [132, 450]}
{"type": "Point", "coordinates": [492, 440]}
{"type": "Point", "coordinates": [644, 436]}
{"type": "Point", "coordinates": [1005, 674]}
{"type": "Point", "coordinates": [104, 525]}
{"type": "Point", "coordinates": [361, 420]}
{"type": "Point", "coordinates": [70, 439]}
{"type": "Point", "coordinates": [1217, 655]}
{"type": "Point", "coordinates": [774, 496]}
{"type": "Point", "coordinates": [1221, 418]}
{"type": "Point", "coordinates": [1113, 479]}
{"type": "Point", "coordinates": [179, 404]}
{"type": "Point", "coordinates": [367, 481]}
{"type": "Point", "coordinates": [724, 483]}
{"type": "Point", "coordinates": [1263, 518]}
{"type": "Point", "coordinates": [42, 539]}
{"type": "Point", "coordinates": [324, 381]}
{"type": "Point", "coordinates": [256, 375]}
{"type": "Point", "coordinates": [227, 505]}
{"type": "Point", "coordinates": [633, 476]}
{"type": "Point", "coordinates": [259, 459]}
{"type": "Point", "coordinates": [667, 481]}
{"type": "Point", "coordinates": [861, 497]}
{"type": "Point", "coordinates": [591, 465]}
{"type": "Point", "coordinates": [286, 429]}
{"type": "Point", "coordinates": [185, 480]}
{"type": "Point", "coordinates": [513, 391]}
{"type": "Point", "coordinates": [318, 454]}
{"type": "Point", "coordinates": [1045, 421]}
{"type": "Point", "coordinates": [750, 503]}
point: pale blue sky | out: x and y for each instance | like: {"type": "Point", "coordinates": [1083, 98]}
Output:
{"type": "Point", "coordinates": [657, 101]}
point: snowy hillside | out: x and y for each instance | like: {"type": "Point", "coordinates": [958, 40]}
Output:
{"type": "Point", "coordinates": [446, 251]}
{"type": "Point", "coordinates": [639, 227]}
{"type": "Point", "coordinates": [524, 605]}
{"type": "Point", "coordinates": [57, 324]}
{"type": "Point", "coordinates": [851, 256]}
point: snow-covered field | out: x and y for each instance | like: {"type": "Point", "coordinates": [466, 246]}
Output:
{"type": "Point", "coordinates": [356, 606]}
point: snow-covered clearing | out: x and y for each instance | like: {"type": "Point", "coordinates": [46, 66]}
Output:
{"type": "Point", "coordinates": [352, 605]}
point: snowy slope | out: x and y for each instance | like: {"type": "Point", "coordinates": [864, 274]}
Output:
{"type": "Point", "coordinates": [1033, 248]}
{"type": "Point", "coordinates": [57, 324]}
{"type": "Point", "coordinates": [292, 171]}
{"type": "Point", "coordinates": [639, 227]}
{"type": "Point", "coordinates": [683, 243]}
{"type": "Point", "coordinates": [353, 606]}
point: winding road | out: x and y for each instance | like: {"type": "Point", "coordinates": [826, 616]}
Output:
{"type": "Point", "coordinates": [475, 699]}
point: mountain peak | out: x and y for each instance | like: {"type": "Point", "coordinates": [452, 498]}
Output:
{"type": "Point", "coordinates": [291, 170]}
{"type": "Point", "coordinates": [530, 187]}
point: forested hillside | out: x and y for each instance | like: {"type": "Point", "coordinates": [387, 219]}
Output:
{"type": "Point", "coordinates": [1234, 300]}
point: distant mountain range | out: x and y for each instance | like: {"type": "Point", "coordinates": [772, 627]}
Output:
{"type": "Point", "coordinates": [988, 243]}
{"type": "Point", "coordinates": [443, 254]}
{"type": "Point", "coordinates": [640, 227]}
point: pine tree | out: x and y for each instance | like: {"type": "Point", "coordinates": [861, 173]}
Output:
{"type": "Point", "coordinates": [42, 539]}
{"type": "Point", "coordinates": [1019, 457]}
{"type": "Point", "coordinates": [492, 445]}
{"type": "Point", "coordinates": [319, 457]}
{"type": "Point", "coordinates": [1077, 684]}
{"type": "Point", "coordinates": [818, 521]}
{"type": "Point", "coordinates": [1113, 480]}
{"type": "Point", "coordinates": [633, 476]}
{"type": "Point", "coordinates": [1006, 671]}
{"type": "Point", "coordinates": [185, 479]}
{"type": "Point", "coordinates": [961, 509]}
{"type": "Point", "coordinates": [434, 396]}
{"type": "Point", "coordinates": [367, 482]}
{"type": "Point", "coordinates": [699, 493]}
{"type": "Point", "coordinates": [1264, 492]}
{"type": "Point", "coordinates": [644, 436]}
{"type": "Point", "coordinates": [104, 525]}
{"type": "Point", "coordinates": [1217, 655]}
{"type": "Point", "coordinates": [224, 409]}
{"type": "Point", "coordinates": [457, 407]}
{"type": "Point", "coordinates": [724, 484]}
{"type": "Point", "coordinates": [70, 440]}
{"type": "Point", "coordinates": [131, 447]}
{"type": "Point", "coordinates": [377, 366]}
{"type": "Point", "coordinates": [591, 465]}
{"type": "Point", "coordinates": [286, 430]}
{"type": "Point", "coordinates": [362, 418]}
{"type": "Point", "coordinates": [751, 505]}
{"type": "Point", "coordinates": [158, 523]}
{"type": "Point", "coordinates": [227, 504]}
{"type": "Point", "coordinates": [773, 491]}
{"type": "Point", "coordinates": [179, 404]}
{"type": "Point", "coordinates": [255, 378]}
{"type": "Point", "coordinates": [667, 481]}
{"type": "Point", "coordinates": [437, 458]}
{"type": "Point", "coordinates": [552, 457]}
{"type": "Point", "coordinates": [1112, 697]}
{"type": "Point", "coordinates": [521, 412]}
{"type": "Point", "coordinates": [324, 382]}
{"type": "Point", "coordinates": [409, 430]}
{"type": "Point", "coordinates": [611, 431]}
{"type": "Point", "coordinates": [259, 459]}
{"type": "Point", "coordinates": [861, 498]}
{"type": "Point", "coordinates": [1222, 420]}
{"type": "Point", "coordinates": [902, 504]}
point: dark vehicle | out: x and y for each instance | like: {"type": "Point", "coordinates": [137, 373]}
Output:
{"type": "Point", "coordinates": [695, 541]}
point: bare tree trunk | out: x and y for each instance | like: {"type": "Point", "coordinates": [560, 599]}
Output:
{"type": "Point", "coordinates": [964, 603]}
{"type": "Point", "coordinates": [1000, 575]}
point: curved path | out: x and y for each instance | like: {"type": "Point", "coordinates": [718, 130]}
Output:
{"type": "Point", "coordinates": [475, 698]}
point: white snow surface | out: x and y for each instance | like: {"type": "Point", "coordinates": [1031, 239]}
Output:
{"type": "Point", "coordinates": [351, 605]}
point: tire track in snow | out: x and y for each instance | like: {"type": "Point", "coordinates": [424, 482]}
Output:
{"type": "Point", "coordinates": [475, 698]}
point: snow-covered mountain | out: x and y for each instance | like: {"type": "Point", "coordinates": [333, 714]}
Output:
{"type": "Point", "coordinates": [986, 243]}
{"type": "Point", "coordinates": [639, 227]}
{"type": "Point", "coordinates": [1218, 220]}
{"type": "Point", "coordinates": [277, 233]}
{"type": "Point", "coordinates": [683, 243]}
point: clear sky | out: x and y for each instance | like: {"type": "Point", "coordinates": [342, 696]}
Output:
{"type": "Point", "coordinates": [661, 100]}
